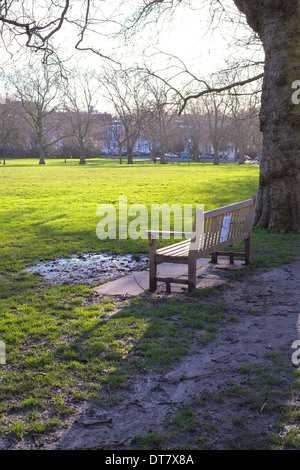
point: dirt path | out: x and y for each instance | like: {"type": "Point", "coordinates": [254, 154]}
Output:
{"type": "Point", "coordinates": [267, 305]}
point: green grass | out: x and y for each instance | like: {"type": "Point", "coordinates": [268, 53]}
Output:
{"type": "Point", "coordinates": [61, 347]}
{"type": "Point", "coordinates": [50, 210]}
{"type": "Point", "coordinates": [151, 440]}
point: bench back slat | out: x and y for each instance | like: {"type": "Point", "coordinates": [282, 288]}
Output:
{"type": "Point", "coordinates": [226, 224]}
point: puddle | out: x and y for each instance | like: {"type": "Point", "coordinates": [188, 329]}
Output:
{"type": "Point", "coordinates": [88, 268]}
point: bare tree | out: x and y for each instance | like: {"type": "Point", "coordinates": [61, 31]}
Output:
{"type": "Point", "coordinates": [161, 115]}
{"type": "Point", "coordinates": [117, 133]}
{"type": "Point", "coordinates": [36, 26]}
{"type": "Point", "coordinates": [193, 120]}
{"type": "Point", "coordinates": [244, 124]}
{"type": "Point", "coordinates": [216, 112]}
{"type": "Point", "coordinates": [37, 89]}
{"type": "Point", "coordinates": [238, 124]}
{"type": "Point", "coordinates": [80, 99]}
{"type": "Point", "coordinates": [126, 94]}
{"type": "Point", "coordinates": [8, 127]}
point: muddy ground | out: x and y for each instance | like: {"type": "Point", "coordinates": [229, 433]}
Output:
{"type": "Point", "coordinates": [88, 268]}
{"type": "Point", "coordinates": [267, 306]}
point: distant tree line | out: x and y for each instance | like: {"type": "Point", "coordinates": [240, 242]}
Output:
{"type": "Point", "coordinates": [44, 114]}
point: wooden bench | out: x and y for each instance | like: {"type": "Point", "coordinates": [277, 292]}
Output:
{"type": "Point", "coordinates": [222, 227]}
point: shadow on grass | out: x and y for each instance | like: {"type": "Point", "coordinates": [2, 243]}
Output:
{"type": "Point", "coordinates": [64, 347]}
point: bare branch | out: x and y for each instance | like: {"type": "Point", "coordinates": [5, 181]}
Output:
{"type": "Point", "coordinates": [220, 89]}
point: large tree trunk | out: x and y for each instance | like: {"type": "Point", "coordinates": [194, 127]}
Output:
{"type": "Point", "coordinates": [241, 145]}
{"type": "Point", "coordinates": [163, 152]}
{"type": "Point", "coordinates": [216, 155]}
{"type": "Point", "coordinates": [120, 150]}
{"type": "Point", "coordinates": [241, 152]}
{"type": "Point", "coordinates": [41, 152]}
{"type": "Point", "coordinates": [129, 158]}
{"type": "Point", "coordinates": [129, 153]}
{"type": "Point", "coordinates": [82, 156]}
{"type": "Point", "coordinates": [279, 186]}
{"type": "Point", "coordinates": [278, 25]}
{"type": "Point", "coordinates": [196, 152]}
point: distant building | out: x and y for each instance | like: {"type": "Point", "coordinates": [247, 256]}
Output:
{"type": "Point", "coordinates": [115, 132]}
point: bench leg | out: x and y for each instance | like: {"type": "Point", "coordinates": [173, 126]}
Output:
{"type": "Point", "coordinates": [152, 266]}
{"type": "Point", "coordinates": [214, 258]}
{"type": "Point", "coordinates": [248, 251]}
{"type": "Point", "coordinates": [192, 273]}
{"type": "Point", "coordinates": [152, 277]}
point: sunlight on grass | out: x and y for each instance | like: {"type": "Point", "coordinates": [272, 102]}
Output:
{"type": "Point", "coordinates": [61, 346]}
{"type": "Point", "coordinates": [50, 211]}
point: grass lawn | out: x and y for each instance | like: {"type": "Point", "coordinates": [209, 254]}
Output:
{"type": "Point", "coordinates": [53, 207]}
{"type": "Point", "coordinates": [61, 348]}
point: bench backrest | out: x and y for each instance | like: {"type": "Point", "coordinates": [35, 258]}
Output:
{"type": "Point", "coordinates": [224, 226]}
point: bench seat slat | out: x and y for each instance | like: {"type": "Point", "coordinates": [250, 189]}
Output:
{"type": "Point", "coordinates": [172, 248]}
{"type": "Point", "coordinates": [184, 250]}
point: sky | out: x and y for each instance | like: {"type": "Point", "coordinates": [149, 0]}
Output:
{"type": "Point", "coordinates": [187, 39]}
{"type": "Point", "coordinates": [187, 35]}
{"type": "Point", "coordinates": [199, 45]}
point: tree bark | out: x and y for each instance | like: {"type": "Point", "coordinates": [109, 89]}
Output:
{"type": "Point", "coordinates": [120, 150]}
{"type": "Point", "coordinates": [130, 147]}
{"type": "Point", "coordinates": [41, 150]}
{"type": "Point", "coordinates": [216, 155]}
{"type": "Point", "coordinates": [278, 25]}
{"type": "Point", "coordinates": [129, 158]}
{"type": "Point", "coordinates": [241, 151]}
{"type": "Point", "coordinates": [196, 152]}
{"type": "Point", "coordinates": [82, 155]}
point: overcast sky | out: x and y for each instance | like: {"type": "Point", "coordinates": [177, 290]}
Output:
{"type": "Point", "coordinates": [202, 46]}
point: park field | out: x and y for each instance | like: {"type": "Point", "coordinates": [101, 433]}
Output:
{"type": "Point", "coordinates": [60, 348]}
{"type": "Point", "coordinates": [50, 210]}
